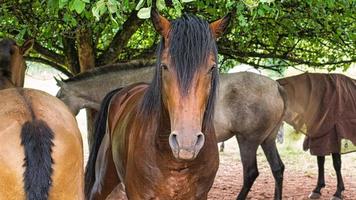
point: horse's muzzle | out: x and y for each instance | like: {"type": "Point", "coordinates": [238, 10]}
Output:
{"type": "Point", "coordinates": [186, 146]}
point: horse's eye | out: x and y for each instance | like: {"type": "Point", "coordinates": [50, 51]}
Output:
{"type": "Point", "coordinates": [213, 67]}
{"type": "Point", "coordinates": [164, 66]}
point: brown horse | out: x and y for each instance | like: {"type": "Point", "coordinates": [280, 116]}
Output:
{"type": "Point", "coordinates": [158, 139]}
{"type": "Point", "coordinates": [41, 153]}
{"type": "Point", "coordinates": [324, 104]}
{"type": "Point", "coordinates": [12, 64]}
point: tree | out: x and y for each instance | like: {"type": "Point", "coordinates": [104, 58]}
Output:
{"type": "Point", "coordinates": [76, 35]}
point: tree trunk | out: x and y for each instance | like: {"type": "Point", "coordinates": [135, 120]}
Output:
{"type": "Point", "coordinates": [71, 55]}
{"type": "Point", "coordinates": [85, 49]}
{"type": "Point", "coordinates": [86, 57]}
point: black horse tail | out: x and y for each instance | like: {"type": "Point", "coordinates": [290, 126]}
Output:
{"type": "Point", "coordinates": [36, 137]}
{"type": "Point", "coordinates": [99, 132]}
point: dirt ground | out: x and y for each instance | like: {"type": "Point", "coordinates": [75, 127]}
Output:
{"type": "Point", "coordinates": [298, 183]}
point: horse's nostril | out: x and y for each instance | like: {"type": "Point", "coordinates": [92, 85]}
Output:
{"type": "Point", "coordinates": [200, 140]}
{"type": "Point", "coordinates": [173, 141]}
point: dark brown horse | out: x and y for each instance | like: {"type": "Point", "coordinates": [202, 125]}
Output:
{"type": "Point", "coordinates": [158, 139]}
{"type": "Point", "coordinates": [41, 153]}
{"type": "Point", "coordinates": [324, 105]}
{"type": "Point", "coordinates": [12, 64]}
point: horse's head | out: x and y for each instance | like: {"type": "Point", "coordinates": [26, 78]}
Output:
{"type": "Point", "coordinates": [187, 74]}
{"type": "Point", "coordinates": [12, 63]}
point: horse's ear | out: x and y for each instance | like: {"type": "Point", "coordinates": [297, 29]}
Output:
{"type": "Point", "coordinates": [59, 81]}
{"type": "Point", "coordinates": [218, 27]}
{"type": "Point", "coordinates": [160, 23]}
{"type": "Point", "coordinates": [27, 46]}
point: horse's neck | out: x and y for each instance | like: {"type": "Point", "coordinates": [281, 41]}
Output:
{"type": "Point", "coordinates": [96, 87]}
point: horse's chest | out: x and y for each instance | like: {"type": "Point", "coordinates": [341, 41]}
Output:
{"type": "Point", "coordinates": [177, 186]}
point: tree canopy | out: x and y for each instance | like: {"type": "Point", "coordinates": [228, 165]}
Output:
{"type": "Point", "coordinates": [75, 35]}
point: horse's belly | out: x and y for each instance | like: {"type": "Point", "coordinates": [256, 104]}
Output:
{"type": "Point", "coordinates": [222, 125]}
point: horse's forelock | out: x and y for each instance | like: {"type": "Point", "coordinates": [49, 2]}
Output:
{"type": "Point", "coordinates": [189, 45]}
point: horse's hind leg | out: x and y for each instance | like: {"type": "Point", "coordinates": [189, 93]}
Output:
{"type": "Point", "coordinates": [276, 164]}
{"type": "Point", "coordinates": [340, 182]}
{"type": "Point", "coordinates": [222, 146]}
{"type": "Point", "coordinates": [249, 164]}
{"type": "Point", "coordinates": [321, 180]}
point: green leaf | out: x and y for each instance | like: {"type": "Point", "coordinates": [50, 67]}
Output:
{"type": "Point", "coordinates": [53, 5]}
{"type": "Point", "coordinates": [187, 1]}
{"type": "Point", "coordinates": [77, 5]}
{"type": "Point", "coordinates": [251, 3]}
{"type": "Point", "coordinates": [112, 6]}
{"type": "Point", "coordinates": [161, 4]}
{"type": "Point", "coordinates": [62, 3]}
{"type": "Point", "coordinates": [140, 4]}
{"type": "Point", "coordinates": [144, 13]}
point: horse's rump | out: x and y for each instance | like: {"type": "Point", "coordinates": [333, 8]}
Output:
{"type": "Point", "coordinates": [330, 109]}
{"type": "Point", "coordinates": [41, 156]}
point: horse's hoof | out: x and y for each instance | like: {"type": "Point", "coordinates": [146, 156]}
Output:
{"type": "Point", "coordinates": [335, 198]}
{"type": "Point", "coordinates": [314, 195]}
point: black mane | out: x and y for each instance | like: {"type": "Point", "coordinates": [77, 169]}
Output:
{"type": "Point", "coordinates": [190, 43]}
{"type": "Point", "coordinates": [108, 69]}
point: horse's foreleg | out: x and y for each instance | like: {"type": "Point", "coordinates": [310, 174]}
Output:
{"type": "Point", "coordinates": [249, 163]}
{"type": "Point", "coordinates": [276, 164]}
{"type": "Point", "coordinates": [321, 180]}
{"type": "Point", "coordinates": [340, 182]}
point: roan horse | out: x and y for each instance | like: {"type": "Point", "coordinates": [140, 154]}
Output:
{"type": "Point", "coordinates": [41, 153]}
{"type": "Point", "coordinates": [249, 106]}
{"type": "Point", "coordinates": [158, 139]}
{"type": "Point", "coordinates": [324, 104]}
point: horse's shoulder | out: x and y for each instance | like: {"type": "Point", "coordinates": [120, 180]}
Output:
{"type": "Point", "coordinates": [125, 100]}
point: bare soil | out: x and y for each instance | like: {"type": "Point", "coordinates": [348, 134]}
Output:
{"type": "Point", "coordinates": [298, 183]}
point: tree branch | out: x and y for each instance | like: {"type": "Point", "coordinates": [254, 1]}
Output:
{"type": "Point", "coordinates": [120, 39]}
{"type": "Point", "coordinates": [51, 55]}
{"type": "Point", "coordinates": [235, 53]}
{"type": "Point", "coordinates": [50, 63]}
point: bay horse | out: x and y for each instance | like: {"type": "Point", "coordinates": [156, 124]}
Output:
{"type": "Point", "coordinates": [249, 107]}
{"type": "Point", "coordinates": [324, 105]}
{"type": "Point", "coordinates": [41, 153]}
{"type": "Point", "coordinates": [158, 140]}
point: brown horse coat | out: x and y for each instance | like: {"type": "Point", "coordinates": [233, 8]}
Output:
{"type": "Point", "coordinates": [125, 142]}
{"type": "Point", "coordinates": [67, 154]}
{"type": "Point", "coordinates": [326, 105]}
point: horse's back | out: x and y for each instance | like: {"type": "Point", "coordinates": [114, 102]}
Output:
{"type": "Point", "coordinates": [248, 104]}
{"type": "Point", "coordinates": [19, 106]}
